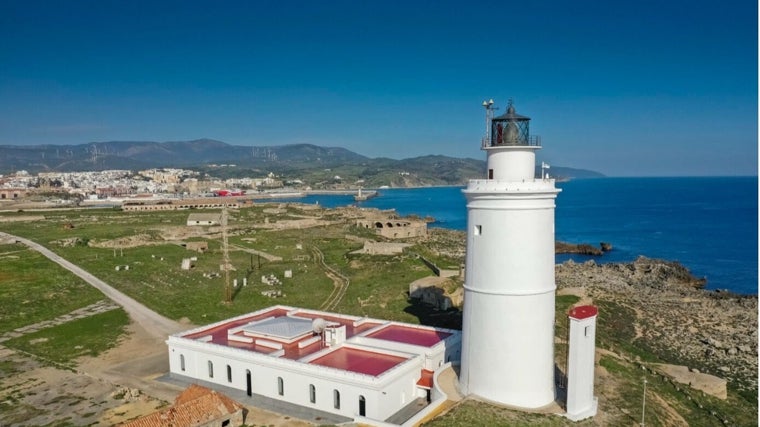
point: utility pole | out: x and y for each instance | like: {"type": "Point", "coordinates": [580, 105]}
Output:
{"type": "Point", "coordinates": [226, 260]}
{"type": "Point", "coordinates": [644, 402]}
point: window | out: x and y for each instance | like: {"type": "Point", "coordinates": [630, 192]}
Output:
{"type": "Point", "coordinates": [478, 230]}
{"type": "Point", "coordinates": [490, 173]}
{"type": "Point", "coordinates": [312, 394]}
{"type": "Point", "coordinates": [229, 373]}
{"type": "Point", "coordinates": [336, 399]}
{"type": "Point", "coordinates": [182, 362]}
{"type": "Point", "coordinates": [210, 369]}
{"type": "Point", "coordinates": [280, 386]}
{"type": "Point", "coordinates": [586, 331]}
{"type": "Point", "coordinates": [362, 406]}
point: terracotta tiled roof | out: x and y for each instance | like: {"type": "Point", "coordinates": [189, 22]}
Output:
{"type": "Point", "coordinates": [196, 405]}
{"type": "Point", "coordinates": [426, 379]}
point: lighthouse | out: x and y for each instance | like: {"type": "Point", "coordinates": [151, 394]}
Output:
{"type": "Point", "coordinates": [509, 290]}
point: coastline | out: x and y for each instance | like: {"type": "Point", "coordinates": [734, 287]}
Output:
{"type": "Point", "coordinates": [712, 331]}
{"type": "Point", "coordinates": [655, 217]}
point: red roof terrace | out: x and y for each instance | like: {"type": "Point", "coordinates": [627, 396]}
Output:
{"type": "Point", "coordinates": [289, 333]}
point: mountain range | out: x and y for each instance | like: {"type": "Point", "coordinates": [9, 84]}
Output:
{"type": "Point", "coordinates": [290, 161]}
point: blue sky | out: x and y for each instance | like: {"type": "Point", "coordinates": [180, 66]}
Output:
{"type": "Point", "coordinates": [626, 88]}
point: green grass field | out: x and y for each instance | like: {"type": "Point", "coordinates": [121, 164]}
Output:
{"type": "Point", "coordinates": [378, 285]}
{"type": "Point", "coordinates": [63, 344]}
{"type": "Point", "coordinates": [35, 289]}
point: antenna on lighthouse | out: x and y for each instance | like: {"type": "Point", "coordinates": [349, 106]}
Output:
{"type": "Point", "coordinates": [488, 105]}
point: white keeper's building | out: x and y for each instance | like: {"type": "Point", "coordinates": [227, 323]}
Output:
{"type": "Point", "coordinates": [355, 367]}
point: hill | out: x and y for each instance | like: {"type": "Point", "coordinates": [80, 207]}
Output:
{"type": "Point", "coordinates": [294, 161]}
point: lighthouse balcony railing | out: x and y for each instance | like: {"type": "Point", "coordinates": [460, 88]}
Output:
{"type": "Point", "coordinates": [498, 186]}
{"type": "Point", "coordinates": [531, 141]}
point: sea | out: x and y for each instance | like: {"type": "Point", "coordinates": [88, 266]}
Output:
{"type": "Point", "coordinates": [708, 224]}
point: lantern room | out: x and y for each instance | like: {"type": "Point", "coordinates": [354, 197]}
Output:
{"type": "Point", "coordinates": [511, 129]}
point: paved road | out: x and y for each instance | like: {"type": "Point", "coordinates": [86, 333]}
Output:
{"type": "Point", "coordinates": [156, 325]}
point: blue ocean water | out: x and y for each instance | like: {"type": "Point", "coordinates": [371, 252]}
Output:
{"type": "Point", "coordinates": [708, 224]}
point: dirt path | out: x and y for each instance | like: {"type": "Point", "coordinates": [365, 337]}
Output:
{"type": "Point", "coordinates": [155, 324]}
{"type": "Point", "coordinates": [340, 282]}
{"type": "Point", "coordinates": [120, 384]}
{"type": "Point", "coordinates": [266, 256]}
{"type": "Point", "coordinates": [135, 363]}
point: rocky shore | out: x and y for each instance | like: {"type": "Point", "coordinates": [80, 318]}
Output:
{"type": "Point", "coordinates": [710, 331]}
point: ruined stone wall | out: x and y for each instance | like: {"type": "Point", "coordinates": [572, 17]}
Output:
{"type": "Point", "coordinates": [394, 228]}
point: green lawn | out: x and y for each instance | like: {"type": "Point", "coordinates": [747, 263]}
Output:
{"type": "Point", "coordinates": [474, 413]}
{"type": "Point", "coordinates": [34, 289]}
{"type": "Point", "coordinates": [378, 285]}
{"type": "Point", "coordinates": [62, 344]}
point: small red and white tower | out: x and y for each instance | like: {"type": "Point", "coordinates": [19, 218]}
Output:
{"type": "Point", "coordinates": [581, 402]}
{"type": "Point", "coordinates": [509, 290]}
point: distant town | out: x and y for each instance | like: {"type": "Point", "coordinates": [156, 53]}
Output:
{"type": "Point", "coordinates": [118, 186]}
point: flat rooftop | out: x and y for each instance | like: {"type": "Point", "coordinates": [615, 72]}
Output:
{"type": "Point", "coordinates": [291, 333]}
{"type": "Point", "coordinates": [410, 335]}
{"type": "Point", "coordinates": [359, 361]}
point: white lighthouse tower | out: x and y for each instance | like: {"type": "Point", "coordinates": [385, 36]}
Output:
{"type": "Point", "coordinates": [508, 324]}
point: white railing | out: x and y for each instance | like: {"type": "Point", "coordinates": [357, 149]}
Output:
{"type": "Point", "coordinates": [531, 141]}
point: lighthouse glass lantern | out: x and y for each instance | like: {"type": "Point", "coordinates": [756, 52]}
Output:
{"type": "Point", "coordinates": [511, 129]}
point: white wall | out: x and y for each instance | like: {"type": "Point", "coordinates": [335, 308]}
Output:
{"type": "Point", "coordinates": [581, 402]}
{"type": "Point", "coordinates": [513, 163]}
{"type": "Point", "coordinates": [383, 395]}
{"type": "Point", "coordinates": [508, 349]}
{"type": "Point", "coordinates": [508, 319]}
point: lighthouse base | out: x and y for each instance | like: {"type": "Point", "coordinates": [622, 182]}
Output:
{"type": "Point", "coordinates": [508, 348]}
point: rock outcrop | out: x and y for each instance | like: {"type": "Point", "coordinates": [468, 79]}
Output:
{"type": "Point", "coordinates": [714, 331]}
{"type": "Point", "coordinates": [581, 248]}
